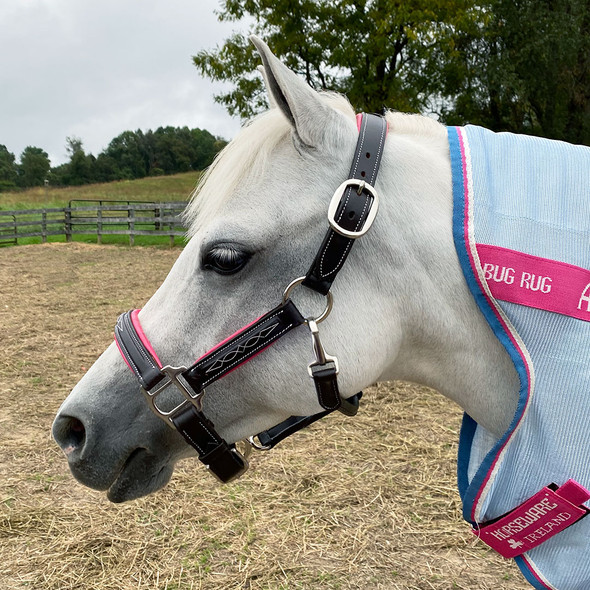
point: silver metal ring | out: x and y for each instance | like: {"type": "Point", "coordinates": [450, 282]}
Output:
{"type": "Point", "coordinates": [329, 300]}
{"type": "Point", "coordinates": [255, 444]}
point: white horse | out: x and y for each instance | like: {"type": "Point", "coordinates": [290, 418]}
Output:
{"type": "Point", "coordinates": [402, 307]}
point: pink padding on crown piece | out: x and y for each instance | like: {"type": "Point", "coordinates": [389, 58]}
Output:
{"type": "Point", "coordinates": [142, 336]}
{"type": "Point", "coordinates": [359, 120]}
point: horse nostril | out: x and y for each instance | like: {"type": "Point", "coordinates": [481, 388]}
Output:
{"type": "Point", "coordinates": [69, 433]}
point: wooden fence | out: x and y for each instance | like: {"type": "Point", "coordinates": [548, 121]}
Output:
{"type": "Point", "coordinates": [102, 218]}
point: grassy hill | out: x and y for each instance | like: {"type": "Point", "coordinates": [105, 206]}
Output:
{"type": "Point", "coordinates": [176, 187]}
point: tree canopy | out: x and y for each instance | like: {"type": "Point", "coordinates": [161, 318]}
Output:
{"type": "Point", "coordinates": [132, 154]}
{"type": "Point", "coordinates": [8, 171]}
{"type": "Point", "coordinates": [518, 65]}
{"type": "Point", "coordinates": [34, 167]}
{"type": "Point", "coordinates": [135, 154]}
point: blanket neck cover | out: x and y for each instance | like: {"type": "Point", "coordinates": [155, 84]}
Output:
{"type": "Point", "coordinates": [522, 232]}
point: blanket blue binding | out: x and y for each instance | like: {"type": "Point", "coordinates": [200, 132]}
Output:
{"type": "Point", "coordinates": [531, 195]}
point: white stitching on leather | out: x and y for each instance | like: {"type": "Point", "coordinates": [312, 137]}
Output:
{"type": "Point", "coordinates": [140, 346]}
{"type": "Point", "coordinates": [128, 356]}
{"type": "Point", "coordinates": [324, 274]}
{"type": "Point", "coordinates": [380, 148]}
{"type": "Point", "coordinates": [206, 358]}
{"type": "Point", "coordinates": [240, 360]}
{"type": "Point", "coordinates": [319, 391]}
{"type": "Point", "coordinates": [193, 442]}
{"type": "Point", "coordinates": [339, 263]}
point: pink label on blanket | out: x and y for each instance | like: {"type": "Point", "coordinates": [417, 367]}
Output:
{"type": "Point", "coordinates": [547, 513]}
{"type": "Point", "coordinates": [536, 282]}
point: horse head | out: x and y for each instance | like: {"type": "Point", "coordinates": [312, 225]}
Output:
{"type": "Point", "coordinates": [255, 224]}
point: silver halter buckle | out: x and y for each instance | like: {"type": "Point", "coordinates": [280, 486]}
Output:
{"type": "Point", "coordinates": [174, 375]}
{"type": "Point", "coordinates": [360, 186]}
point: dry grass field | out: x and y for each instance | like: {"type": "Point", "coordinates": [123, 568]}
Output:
{"type": "Point", "coordinates": [366, 503]}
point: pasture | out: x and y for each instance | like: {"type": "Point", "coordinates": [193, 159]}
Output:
{"type": "Point", "coordinates": [368, 502]}
{"type": "Point", "coordinates": [175, 187]}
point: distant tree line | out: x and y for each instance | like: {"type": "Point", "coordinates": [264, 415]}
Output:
{"type": "Point", "coordinates": [132, 154]}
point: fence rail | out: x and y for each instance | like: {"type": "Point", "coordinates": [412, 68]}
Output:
{"type": "Point", "coordinates": [107, 218]}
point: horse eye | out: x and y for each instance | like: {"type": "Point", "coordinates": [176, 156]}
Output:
{"type": "Point", "coordinates": [225, 259]}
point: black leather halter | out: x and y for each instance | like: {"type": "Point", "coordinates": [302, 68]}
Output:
{"type": "Point", "coordinates": [350, 215]}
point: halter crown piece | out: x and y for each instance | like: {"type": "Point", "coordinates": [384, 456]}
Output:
{"type": "Point", "coordinates": [350, 214]}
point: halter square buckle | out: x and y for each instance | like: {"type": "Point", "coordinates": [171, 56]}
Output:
{"type": "Point", "coordinates": [174, 375]}
{"type": "Point", "coordinates": [361, 186]}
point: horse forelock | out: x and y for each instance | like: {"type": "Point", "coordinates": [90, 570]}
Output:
{"type": "Point", "coordinates": [246, 156]}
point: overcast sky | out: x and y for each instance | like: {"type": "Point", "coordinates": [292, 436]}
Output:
{"type": "Point", "coordinates": [95, 68]}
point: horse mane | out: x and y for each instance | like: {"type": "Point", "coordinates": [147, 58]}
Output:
{"type": "Point", "coordinates": [247, 154]}
{"type": "Point", "coordinates": [416, 125]}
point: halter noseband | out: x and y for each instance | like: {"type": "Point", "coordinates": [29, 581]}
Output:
{"type": "Point", "coordinates": [351, 213]}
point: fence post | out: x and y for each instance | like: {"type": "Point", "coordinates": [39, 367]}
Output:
{"type": "Point", "coordinates": [158, 218]}
{"type": "Point", "coordinates": [44, 226]}
{"type": "Point", "coordinates": [99, 224]}
{"type": "Point", "coordinates": [131, 225]}
{"type": "Point", "coordinates": [172, 226]}
{"type": "Point", "coordinates": [68, 224]}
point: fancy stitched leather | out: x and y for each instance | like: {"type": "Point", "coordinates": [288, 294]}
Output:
{"type": "Point", "coordinates": [354, 207]}
{"type": "Point", "coordinates": [243, 345]}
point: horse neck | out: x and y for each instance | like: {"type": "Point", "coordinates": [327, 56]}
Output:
{"type": "Point", "coordinates": [444, 340]}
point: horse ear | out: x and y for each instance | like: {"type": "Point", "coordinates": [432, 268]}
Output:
{"type": "Point", "coordinates": [302, 105]}
{"type": "Point", "coordinates": [271, 98]}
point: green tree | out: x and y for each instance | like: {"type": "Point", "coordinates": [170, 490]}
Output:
{"type": "Point", "coordinates": [378, 52]}
{"type": "Point", "coordinates": [8, 170]}
{"type": "Point", "coordinates": [526, 68]}
{"type": "Point", "coordinates": [73, 145]}
{"type": "Point", "coordinates": [205, 146]}
{"type": "Point", "coordinates": [172, 149]}
{"type": "Point", "coordinates": [131, 151]}
{"type": "Point", "coordinates": [518, 65]}
{"type": "Point", "coordinates": [34, 167]}
{"type": "Point", "coordinates": [81, 168]}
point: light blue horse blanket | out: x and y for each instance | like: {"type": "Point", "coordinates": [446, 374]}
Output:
{"type": "Point", "coordinates": [530, 195]}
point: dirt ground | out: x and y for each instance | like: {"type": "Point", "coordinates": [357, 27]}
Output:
{"type": "Point", "coordinates": [366, 503]}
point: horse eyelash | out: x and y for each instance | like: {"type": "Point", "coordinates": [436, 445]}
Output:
{"type": "Point", "coordinates": [225, 259]}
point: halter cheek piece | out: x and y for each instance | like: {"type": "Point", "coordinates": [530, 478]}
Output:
{"type": "Point", "coordinates": [351, 213]}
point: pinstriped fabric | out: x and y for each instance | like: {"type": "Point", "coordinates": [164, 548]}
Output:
{"type": "Point", "coordinates": [531, 195]}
